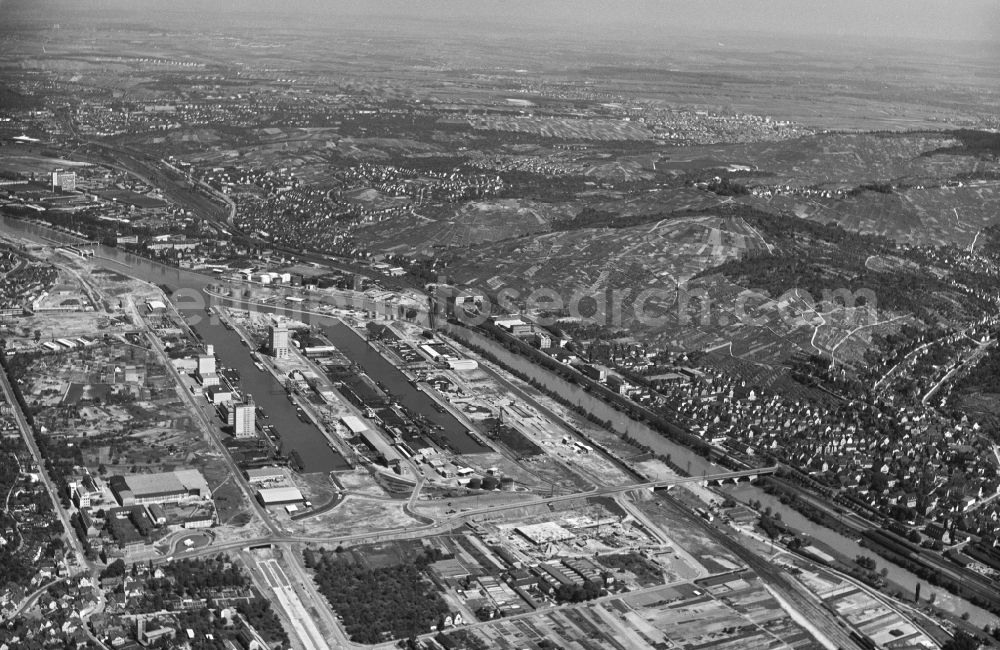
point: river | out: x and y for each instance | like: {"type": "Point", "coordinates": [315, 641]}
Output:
{"type": "Point", "coordinates": [697, 465]}
{"type": "Point", "coordinates": [850, 549]}
{"type": "Point", "coordinates": [318, 456]}
{"type": "Point", "coordinates": [683, 457]}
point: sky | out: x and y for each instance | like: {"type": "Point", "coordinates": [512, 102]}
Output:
{"type": "Point", "coordinates": [921, 19]}
{"type": "Point", "coordinates": [967, 20]}
{"type": "Point", "coordinates": [936, 19]}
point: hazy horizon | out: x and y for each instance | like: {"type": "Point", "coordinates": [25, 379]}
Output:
{"type": "Point", "coordinates": [972, 21]}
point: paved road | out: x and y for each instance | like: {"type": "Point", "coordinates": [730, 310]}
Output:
{"type": "Point", "coordinates": [448, 522]}
{"type": "Point", "coordinates": [892, 371]}
{"type": "Point", "coordinates": [31, 598]}
{"type": "Point", "coordinates": [208, 426]}
{"type": "Point", "coordinates": [971, 361]}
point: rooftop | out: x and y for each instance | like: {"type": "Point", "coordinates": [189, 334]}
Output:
{"type": "Point", "coordinates": [280, 495]}
{"type": "Point", "coordinates": [354, 423]}
{"type": "Point", "coordinates": [181, 480]}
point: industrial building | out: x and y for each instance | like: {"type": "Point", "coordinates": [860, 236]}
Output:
{"type": "Point", "coordinates": [354, 424]}
{"type": "Point", "coordinates": [164, 487]}
{"type": "Point", "coordinates": [264, 474]}
{"type": "Point", "coordinates": [372, 439]}
{"type": "Point", "coordinates": [450, 361]}
{"type": "Point", "coordinates": [376, 442]}
{"type": "Point", "coordinates": [278, 341]}
{"type": "Point", "coordinates": [544, 532]}
{"type": "Point", "coordinates": [218, 395]}
{"type": "Point", "coordinates": [63, 180]}
{"type": "Point", "coordinates": [206, 373]}
{"type": "Point", "coordinates": [244, 418]}
{"type": "Point", "coordinates": [430, 351]}
{"type": "Point", "coordinates": [320, 351]}
{"type": "Point", "coordinates": [206, 362]}
{"type": "Point", "coordinates": [454, 363]}
{"type": "Point", "coordinates": [279, 496]}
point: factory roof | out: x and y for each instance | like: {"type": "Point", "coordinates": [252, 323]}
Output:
{"type": "Point", "coordinates": [544, 532]}
{"type": "Point", "coordinates": [150, 484]}
{"type": "Point", "coordinates": [354, 423]}
{"type": "Point", "coordinates": [181, 480]}
{"type": "Point", "coordinates": [280, 495]}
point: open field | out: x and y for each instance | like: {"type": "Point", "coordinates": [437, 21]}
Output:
{"type": "Point", "coordinates": [354, 514]}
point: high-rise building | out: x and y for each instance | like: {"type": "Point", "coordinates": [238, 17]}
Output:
{"type": "Point", "coordinates": [62, 180]}
{"type": "Point", "coordinates": [206, 363]}
{"type": "Point", "coordinates": [244, 420]}
{"type": "Point", "coordinates": [279, 341]}
{"type": "Point", "coordinates": [206, 367]}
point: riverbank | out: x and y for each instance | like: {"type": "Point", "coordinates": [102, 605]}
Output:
{"type": "Point", "coordinates": [617, 421]}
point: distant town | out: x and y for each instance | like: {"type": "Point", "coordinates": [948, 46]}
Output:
{"type": "Point", "coordinates": [305, 346]}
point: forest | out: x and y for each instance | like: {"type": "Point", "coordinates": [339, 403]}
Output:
{"type": "Point", "coordinates": [984, 377]}
{"type": "Point", "coordinates": [380, 603]}
{"type": "Point", "coordinates": [823, 258]}
{"type": "Point", "coordinates": [973, 143]}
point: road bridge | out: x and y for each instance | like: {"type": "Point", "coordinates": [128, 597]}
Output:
{"type": "Point", "coordinates": [716, 479]}
{"type": "Point", "coordinates": [457, 519]}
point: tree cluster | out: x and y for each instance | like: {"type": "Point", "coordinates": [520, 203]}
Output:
{"type": "Point", "coordinates": [381, 603]}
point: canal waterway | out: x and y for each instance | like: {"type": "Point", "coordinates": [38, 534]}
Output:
{"type": "Point", "coordinates": [268, 393]}
{"type": "Point", "coordinates": [319, 457]}
{"type": "Point", "coordinates": [398, 386]}
{"type": "Point", "coordinates": [388, 376]}
{"type": "Point", "coordinates": [190, 299]}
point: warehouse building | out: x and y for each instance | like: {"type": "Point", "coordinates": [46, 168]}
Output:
{"type": "Point", "coordinates": [264, 474]}
{"type": "Point", "coordinates": [279, 496]}
{"type": "Point", "coordinates": [354, 424]}
{"type": "Point", "coordinates": [164, 487]}
{"type": "Point", "coordinates": [378, 444]}
{"type": "Point", "coordinates": [454, 363]}
{"type": "Point", "coordinates": [218, 395]}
